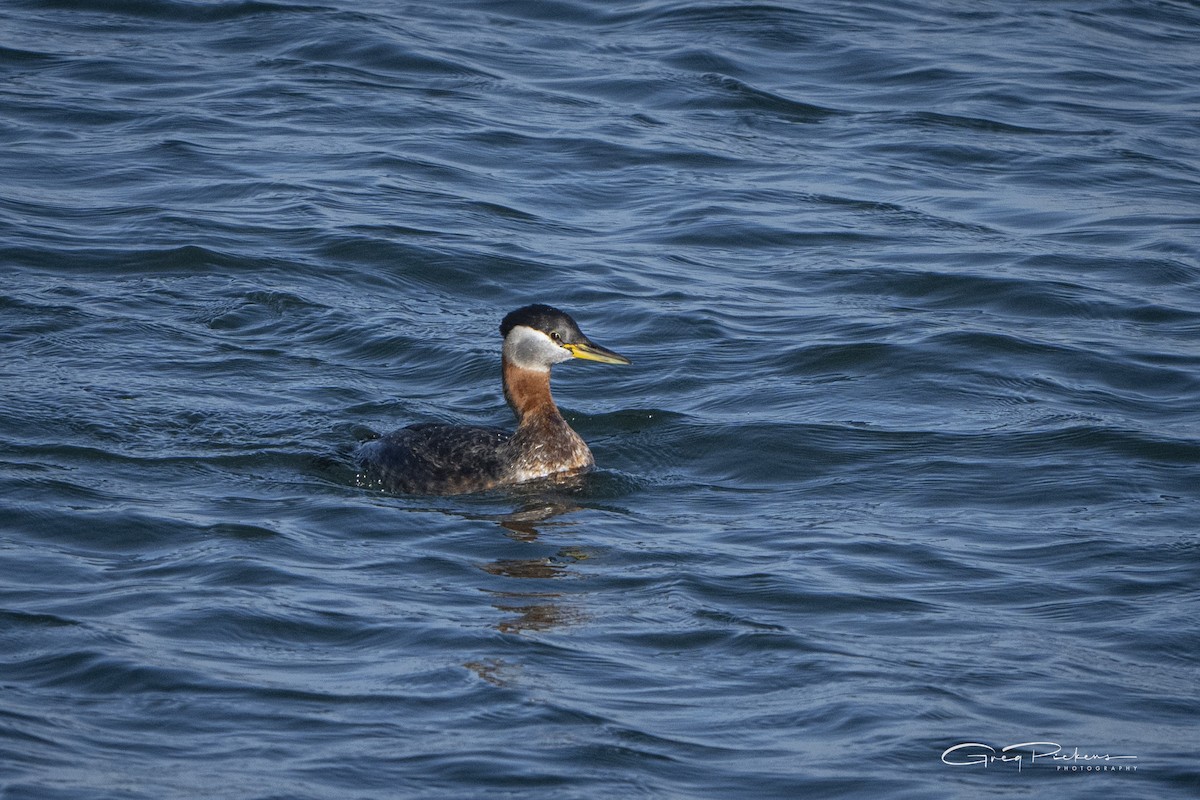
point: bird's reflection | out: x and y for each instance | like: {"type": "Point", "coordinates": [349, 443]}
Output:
{"type": "Point", "coordinates": [523, 523]}
{"type": "Point", "coordinates": [527, 615]}
{"type": "Point", "coordinates": [534, 610]}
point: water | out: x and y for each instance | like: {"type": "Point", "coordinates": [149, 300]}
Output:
{"type": "Point", "coordinates": [907, 457]}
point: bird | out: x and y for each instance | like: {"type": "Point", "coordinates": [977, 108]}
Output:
{"type": "Point", "coordinates": [441, 459]}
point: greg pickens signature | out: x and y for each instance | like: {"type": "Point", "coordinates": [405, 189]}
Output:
{"type": "Point", "coordinates": [977, 754]}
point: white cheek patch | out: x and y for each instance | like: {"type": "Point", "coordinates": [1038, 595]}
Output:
{"type": "Point", "coordinates": [530, 349]}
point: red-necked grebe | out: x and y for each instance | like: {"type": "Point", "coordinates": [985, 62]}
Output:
{"type": "Point", "coordinates": [449, 459]}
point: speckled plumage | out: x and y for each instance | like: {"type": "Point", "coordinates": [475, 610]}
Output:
{"type": "Point", "coordinates": [436, 459]}
{"type": "Point", "coordinates": [450, 459]}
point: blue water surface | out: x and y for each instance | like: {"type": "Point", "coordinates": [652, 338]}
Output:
{"type": "Point", "coordinates": [908, 457]}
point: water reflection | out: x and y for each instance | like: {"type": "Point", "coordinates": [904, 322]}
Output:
{"type": "Point", "coordinates": [523, 523]}
{"type": "Point", "coordinates": [531, 612]}
{"type": "Point", "coordinates": [535, 610]}
{"type": "Point", "coordinates": [495, 671]}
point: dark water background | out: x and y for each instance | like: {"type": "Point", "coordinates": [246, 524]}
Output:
{"type": "Point", "coordinates": [908, 456]}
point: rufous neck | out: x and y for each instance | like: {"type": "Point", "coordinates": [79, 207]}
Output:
{"type": "Point", "coordinates": [527, 391]}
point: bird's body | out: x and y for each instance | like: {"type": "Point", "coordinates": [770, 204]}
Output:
{"type": "Point", "coordinates": [451, 459]}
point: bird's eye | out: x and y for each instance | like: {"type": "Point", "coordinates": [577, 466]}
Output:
{"type": "Point", "coordinates": [554, 337]}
